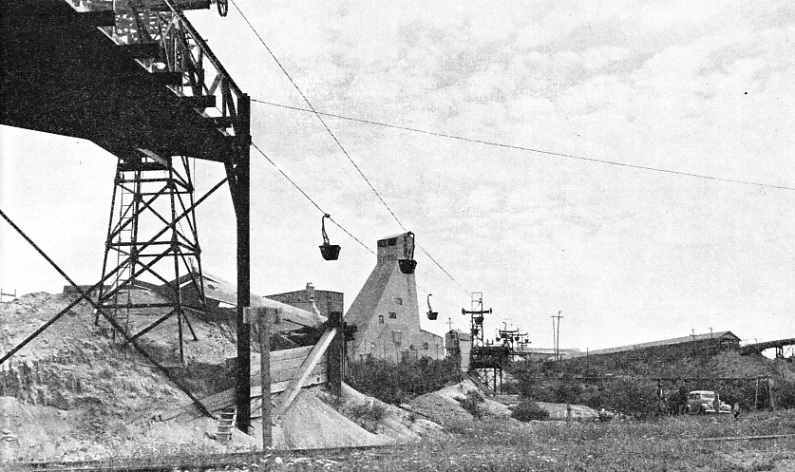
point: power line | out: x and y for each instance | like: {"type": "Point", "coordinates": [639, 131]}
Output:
{"type": "Point", "coordinates": [310, 198]}
{"type": "Point", "coordinates": [334, 137]}
{"type": "Point", "coordinates": [527, 149]}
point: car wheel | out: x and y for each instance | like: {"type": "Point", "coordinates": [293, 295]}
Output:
{"type": "Point", "coordinates": [702, 410]}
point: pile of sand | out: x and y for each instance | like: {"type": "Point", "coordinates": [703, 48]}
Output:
{"type": "Point", "coordinates": [72, 394]}
{"type": "Point", "coordinates": [443, 405]}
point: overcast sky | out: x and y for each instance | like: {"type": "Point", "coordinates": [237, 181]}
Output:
{"type": "Point", "coordinates": [627, 255]}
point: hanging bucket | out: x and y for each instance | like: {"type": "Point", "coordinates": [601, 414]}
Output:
{"type": "Point", "coordinates": [330, 252]}
{"type": "Point", "coordinates": [407, 266]}
{"type": "Point", "coordinates": [431, 314]}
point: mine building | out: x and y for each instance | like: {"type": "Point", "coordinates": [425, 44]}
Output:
{"type": "Point", "coordinates": [386, 311]}
{"type": "Point", "coordinates": [322, 302]}
{"type": "Point", "coordinates": [693, 346]}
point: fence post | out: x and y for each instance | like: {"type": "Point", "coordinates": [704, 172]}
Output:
{"type": "Point", "coordinates": [770, 387]}
{"type": "Point", "coordinates": [334, 359]}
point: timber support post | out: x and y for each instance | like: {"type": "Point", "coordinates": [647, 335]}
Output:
{"type": "Point", "coordinates": [335, 355]}
{"type": "Point", "coordinates": [265, 372]}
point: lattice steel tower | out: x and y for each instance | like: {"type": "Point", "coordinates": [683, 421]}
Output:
{"type": "Point", "coordinates": [152, 243]}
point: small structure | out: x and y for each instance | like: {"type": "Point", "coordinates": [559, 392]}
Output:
{"type": "Point", "coordinates": [459, 346]}
{"type": "Point", "coordinates": [386, 312]}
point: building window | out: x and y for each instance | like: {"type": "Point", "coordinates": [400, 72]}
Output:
{"type": "Point", "coordinates": [425, 346]}
{"type": "Point", "coordinates": [398, 300]}
{"type": "Point", "coordinates": [380, 319]}
{"type": "Point", "coordinates": [392, 315]}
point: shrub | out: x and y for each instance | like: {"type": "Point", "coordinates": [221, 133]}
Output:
{"type": "Point", "coordinates": [470, 402]}
{"type": "Point", "coordinates": [368, 415]}
{"type": "Point", "coordinates": [785, 394]}
{"type": "Point", "coordinates": [372, 411]}
{"type": "Point", "coordinates": [528, 410]}
{"type": "Point", "coordinates": [393, 383]}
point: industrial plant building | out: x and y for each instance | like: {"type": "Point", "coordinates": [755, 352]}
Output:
{"type": "Point", "coordinates": [322, 302]}
{"type": "Point", "coordinates": [386, 312]}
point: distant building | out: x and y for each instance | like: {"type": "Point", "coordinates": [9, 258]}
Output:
{"type": "Point", "coordinates": [544, 353]}
{"type": "Point", "coordinates": [321, 302]}
{"type": "Point", "coordinates": [693, 346]}
{"type": "Point", "coordinates": [386, 312]}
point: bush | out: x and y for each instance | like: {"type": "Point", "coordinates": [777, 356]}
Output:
{"type": "Point", "coordinates": [528, 410]}
{"type": "Point", "coordinates": [394, 383]}
{"type": "Point", "coordinates": [785, 394]}
{"type": "Point", "coordinates": [372, 411]}
{"type": "Point", "coordinates": [470, 402]}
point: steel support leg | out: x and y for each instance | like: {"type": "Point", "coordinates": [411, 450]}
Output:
{"type": "Point", "coordinates": [238, 173]}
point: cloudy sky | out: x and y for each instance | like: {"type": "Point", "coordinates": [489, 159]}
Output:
{"type": "Point", "coordinates": [627, 255]}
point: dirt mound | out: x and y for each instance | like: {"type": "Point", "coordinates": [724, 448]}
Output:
{"type": "Point", "coordinates": [70, 367]}
{"type": "Point", "coordinates": [74, 394]}
{"type": "Point", "coordinates": [445, 405]}
{"type": "Point", "coordinates": [312, 423]}
{"type": "Point", "coordinates": [732, 364]}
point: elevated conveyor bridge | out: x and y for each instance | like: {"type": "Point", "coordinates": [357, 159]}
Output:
{"type": "Point", "coordinates": [778, 345]}
{"type": "Point", "coordinates": [136, 78]}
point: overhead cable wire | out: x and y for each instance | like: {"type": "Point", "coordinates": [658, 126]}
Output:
{"type": "Point", "coordinates": [333, 136]}
{"type": "Point", "coordinates": [527, 149]}
{"type": "Point", "coordinates": [318, 115]}
{"type": "Point", "coordinates": [311, 200]}
{"type": "Point", "coordinates": [442, 268]}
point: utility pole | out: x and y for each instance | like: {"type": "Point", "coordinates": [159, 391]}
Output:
{"type": "Point", "coordinates": [556, 334]}
{"type": "Point", "coordinates": [449, 324]}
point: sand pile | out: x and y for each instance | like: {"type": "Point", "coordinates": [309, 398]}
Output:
{"type": "Point", "coordinates": [445, 405]}
{"type": "Point", "coordinates": [317, 419]}
{"type": "Point", "coordinates": [73, 394]}
{"type": "Point", "coordinates": [70, 367]}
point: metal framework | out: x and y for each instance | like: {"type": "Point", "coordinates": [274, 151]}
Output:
{"type": "Point", "coordinates": [137, 79]}
{"type": "Point", "coordinates": [149, 194]}
{"type": "Point", "coordinates": [486, 361]}
{"type": "Point", "coordinates": [476, 313]}
{"type": "Point", "coordinates": [6, 297]}
{"type": "Point", "coordinates": [203, 84]}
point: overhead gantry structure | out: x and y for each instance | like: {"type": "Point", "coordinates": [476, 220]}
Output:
{"type": "Point", "coordinates": [137, 79]}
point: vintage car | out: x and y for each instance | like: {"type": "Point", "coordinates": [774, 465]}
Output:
{"type": "Point", "coordinates": [705, 401]}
